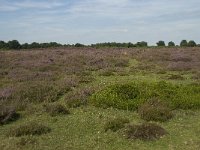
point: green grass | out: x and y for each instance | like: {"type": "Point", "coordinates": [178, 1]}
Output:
{"type": "Point", "coordinates": [84, 129]}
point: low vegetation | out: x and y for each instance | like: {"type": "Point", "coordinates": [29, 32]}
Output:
{"type": "Point", "coordinates": [114, 95]}
{"type": "Point", "coordinates": [115, 124]}
{"type": "Point", "coordinates": [131, 95]}
{"type": "Point", "coordinates": [30, 128]}
{"type": "Point", "coordinates": [7, 114]}
{"type": "Point", "coordinates": [146, 131]}
{"type": "Point", "coordinates": [155, 110]}
{"type": "Point", "coordinates": [56, 109]}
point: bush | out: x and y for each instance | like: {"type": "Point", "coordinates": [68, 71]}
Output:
{"type": "Point", "coordinates": [146, 131]}
{"type": "Point", "coordinates": [30, 128]}
{"type": "Point", "coordinates": [131, 95]}
{"type": "Point", "coordinates": [155, 110]}
{"type": "Point", "coordinates": [79, 97]}
{"type": "Point", "coordinates": [119, 96]}
{"type": "Point", "coordinates": [7, 114]}
{"type": "Point", "coordinates": [56, 109]}
{"type": "Point", "coordinates": [115, 124]}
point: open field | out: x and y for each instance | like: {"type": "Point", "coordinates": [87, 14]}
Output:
{"type": "Point", "coordinates": [65, 98]}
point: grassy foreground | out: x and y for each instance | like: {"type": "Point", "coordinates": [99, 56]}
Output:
{"type": "Point", "coordinates": [83, 129]}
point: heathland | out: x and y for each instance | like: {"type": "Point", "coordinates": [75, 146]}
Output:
{"type": "Point", "coordinates": [100, 98]}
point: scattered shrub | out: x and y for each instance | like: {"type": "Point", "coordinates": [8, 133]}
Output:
{"type": "Point", "coordinates": [7, 114]}
{"type": "Point", "coordinates": [155, 110]}
{"type": "Point", "coordinates": [115, 124]}
{"type": "Point", "coordinates": [146, 131]}
{"type": "Point", "coordinates": [30, 128]}
{"type": "Point", "coordinates": [56, 109]}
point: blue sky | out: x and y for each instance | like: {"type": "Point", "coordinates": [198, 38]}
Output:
{"type": "Point", "coordinates": [93, 21]}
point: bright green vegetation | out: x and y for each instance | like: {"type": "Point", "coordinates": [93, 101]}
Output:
{"type": "Point", "coordinates": [86, 99]}
{"type": "Point", "coordinates": [131, 95]}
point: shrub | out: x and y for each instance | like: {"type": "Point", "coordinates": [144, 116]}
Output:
{"type": "Point", "coordinates": [129, 96]}
{"type": "Point", "coordinates": [30, 128]}
{"type": "Point", "coordinates": [38, 92]}
{"type": "Point", "coordinates": [146, 131]}
{"type": "Point", "coordinates": [115, 124]}
{"type": "Point", "coordinates": [155, 110]}
{"type": "Point", "coordinates": [7, 114]}
{"type": "Point", "coordinates": [119, 96]}
{"type": "Point", "coordinates": [56, 109]}
{"type": "Point", "coordinates": [79, 97]}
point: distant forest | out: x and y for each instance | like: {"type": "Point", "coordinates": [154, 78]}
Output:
{"type": "Point", "coordinates": [14, 44]}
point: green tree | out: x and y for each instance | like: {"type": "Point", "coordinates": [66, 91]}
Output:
{"type": "Point", "coordinates": [171, 44]}
{"type": "Point", "coordinates": [192, 43]}
{"type": "Point", "coordinates": [142, 44]}
{"type": "Point", "coordinates": [160, 43]}
{"type": "Point", "coordinates": [14, 44]}
{"type": "Point", "coordinates": [184, 43]}
{"type": "Point", "coordinates": [3, 45]}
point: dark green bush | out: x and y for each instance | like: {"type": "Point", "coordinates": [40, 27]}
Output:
{"type": "Point", "coordinates": [146, 131]}
{"type": "Point", "coordinates": [30, 128]}
{"type": "Point", "coordinates": [155, 110]}
{"type": "Point", "coordinates": [115, 124]}
{"type": "Point", "coordinates": [56, 109]}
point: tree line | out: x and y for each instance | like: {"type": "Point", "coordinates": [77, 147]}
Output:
{"type": "Point", "coordinates": [14, 44]}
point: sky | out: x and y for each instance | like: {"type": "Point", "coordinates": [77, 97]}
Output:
{"type": "Point", "coordinates": [95, 21]}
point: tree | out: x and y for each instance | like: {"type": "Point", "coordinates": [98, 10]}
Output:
{"type": "Point", "coordinates": [3, 45]}
{"type": "Point", "coordinates": [160, 43]}
{"type": "Point", "coordinates": [14, 44]}
{"type": "Point", "coordinates": [25, 46]}
{"type": "Point", "coordinates": [171, 44]}
{"type": "Point", "coordinates": [184, 43]}
{"type": "Point", "coordinates": [79, 45]}
{"type": "Point", "coordinates": [142, 44]}
{"type": "Point", "coordinates": [34, 45]}
{"type": "Point", "coordinates": [192, 43]}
